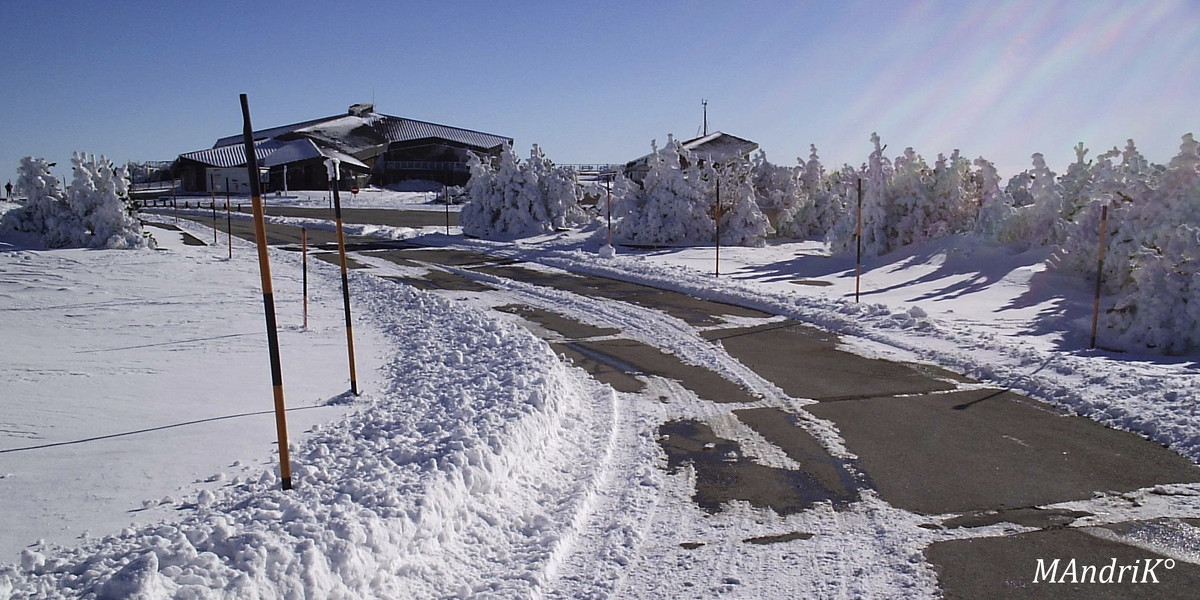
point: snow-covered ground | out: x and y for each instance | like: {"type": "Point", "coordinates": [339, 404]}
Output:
{"type": "Point", "coordinates": [475, 464]}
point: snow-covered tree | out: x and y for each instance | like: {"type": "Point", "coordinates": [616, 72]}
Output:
{"type": "Point", "coordinates": [94, 213]}
{"type": "Point", "coordinates": [671, 206]}
{"type": "Point", "coordinates": [99, 197]}
{"type": "Point", "coordinates": [1075, 183]}
{"type": "Point", "coordinates": [910, 200]}
{"type": "Point", "coordinates": [518, 199]}
{"type": "Point", "coordinates": [1040, 223]}
{"type": "Point", "coordinates": [876, 210]}
{"type": "Point", "coordinates": [780, 191]}
{"type": "Point", "coordinates": [996, 205]}
{"type": "Point", "coordinates": [742, 222]}
{"type": "Point", "coordinates": [1152, 250]}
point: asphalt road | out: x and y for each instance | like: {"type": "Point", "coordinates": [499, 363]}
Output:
{"type": "Point", "coordinates": [927, 440]}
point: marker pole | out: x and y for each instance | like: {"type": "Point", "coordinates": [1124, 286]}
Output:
{"type": "Point", "coordinates": [228, 221]}
{"type": "Point", "coordinates": [304, 269]}
{"type": "Point", "coordinates": [212, 205]}
{"type": "Point", "coordinates": [858, 236]}
{"type": "Point", "coordinates": [264, 268]}
{"type": "Point", "coordinates": [717, 262]}
{"type": "Point", "coordinates": [332, 165]}
{"type": "Point", "coordinates": [1099, 273]}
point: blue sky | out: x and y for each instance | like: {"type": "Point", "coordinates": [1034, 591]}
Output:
{"type": "Point", "coordinates": [595, 82]}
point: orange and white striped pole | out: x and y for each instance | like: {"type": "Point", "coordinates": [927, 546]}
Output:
{"type": "Point", "coordinates": [264, 268]}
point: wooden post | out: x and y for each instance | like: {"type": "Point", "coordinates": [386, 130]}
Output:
{"type": "Point", "coordinates": [1099, 273]}
{"type": "Point", "coordinates": [717, 271]}
{"type": "Point", "coordinates": [304, 269]}
{"type": "Point", "coordinates": [858, 235]}
{"type": "Point", "coordinates": [332, 165]}
{"type": "Point", "coordinates": [264, 268]}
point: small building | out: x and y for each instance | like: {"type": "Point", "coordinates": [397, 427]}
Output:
{"type": "Point", "coordinates": [373, 148]}
{"type": "Point", "coordinates": [717, 147]}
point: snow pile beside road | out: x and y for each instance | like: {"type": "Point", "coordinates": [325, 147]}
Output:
{"type": "Point", "coordinates": [465, 476]}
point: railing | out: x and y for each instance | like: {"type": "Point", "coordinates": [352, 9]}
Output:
{"type": "Point", "coordinates": [419, 165]}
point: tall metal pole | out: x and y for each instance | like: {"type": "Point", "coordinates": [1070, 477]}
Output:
{"type": "Point", "coordinates": [858, 236]}
{"type": "Point", "coordinates": [1099, 273]}
{"type": "Point", "coordinates": [332, 165]}
{"type": "Point", "coordinates": [264, 268]}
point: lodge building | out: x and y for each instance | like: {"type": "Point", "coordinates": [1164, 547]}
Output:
{"type": "Point", "coordinates": [373, 149]}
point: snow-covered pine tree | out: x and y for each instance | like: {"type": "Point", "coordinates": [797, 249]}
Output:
{"type": "Point", "coordinates": [778, 192]}
{"type": "Point", "coordinates": [1040, 223]}
{"type": "Point", "coordinates": [876, 213]}
{"type": "Point", "coordinates": [1075, 183]}
{"type": "Point", "coordinates": [742, 222]}
{"type": "Point", "coordinates": [996, 206]}
{"type": "Point", "coordinates": [94, 213]}
{"type": "Point", "coordinates": [45, 213]}
{"type": "Point", "coordinates": [99, 197]}
{"type": "Point", "coordinates": [516, 199]}
{"type": "Point", "coordinates": [670, 207]}
{"type": "Point", "coordinates": [910, 201]}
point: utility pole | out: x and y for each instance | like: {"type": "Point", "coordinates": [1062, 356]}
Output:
{"type": "Point", "coordinates": [704, 102]}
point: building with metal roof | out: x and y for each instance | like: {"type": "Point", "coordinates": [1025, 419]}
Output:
{"type": "Point", "coordinates": [715, 147]}
{"type": "Point", "coordinates": [372, 147]}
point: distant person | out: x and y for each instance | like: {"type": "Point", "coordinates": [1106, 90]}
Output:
{"type": "Point", "coordinates": [8, 190]}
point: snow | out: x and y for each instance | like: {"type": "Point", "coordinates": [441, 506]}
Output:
{"type": "Point", "coordinates": [476, 463]}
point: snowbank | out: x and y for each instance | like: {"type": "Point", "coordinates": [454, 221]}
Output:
{"type": "Point", "coordinates": [464, 476]}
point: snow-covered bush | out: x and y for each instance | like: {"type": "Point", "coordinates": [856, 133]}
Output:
{"type": "Point", "coordinates": [519, 199]}
{"type": "Point", "coordinates": [94, 212]}
{"type": "Point", "coordinates": [671, 206]}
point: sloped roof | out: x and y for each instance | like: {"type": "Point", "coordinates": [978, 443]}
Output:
{"type": "Point", "coordinates": [352, 137]}
{"type": "Point", "coordinates": [233, 155]}
{"type": "Point", "coordinates": [355, 133]}
{"type": "Point", "coordinates": [720, 146]}
{"type": "Point", "coordinates": [716, 147]}
{"type": "Point", "coordinates": [270, 153]}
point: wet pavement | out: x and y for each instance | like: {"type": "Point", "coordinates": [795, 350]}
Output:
{"type": "Point", "coordinates": [724, 474]}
